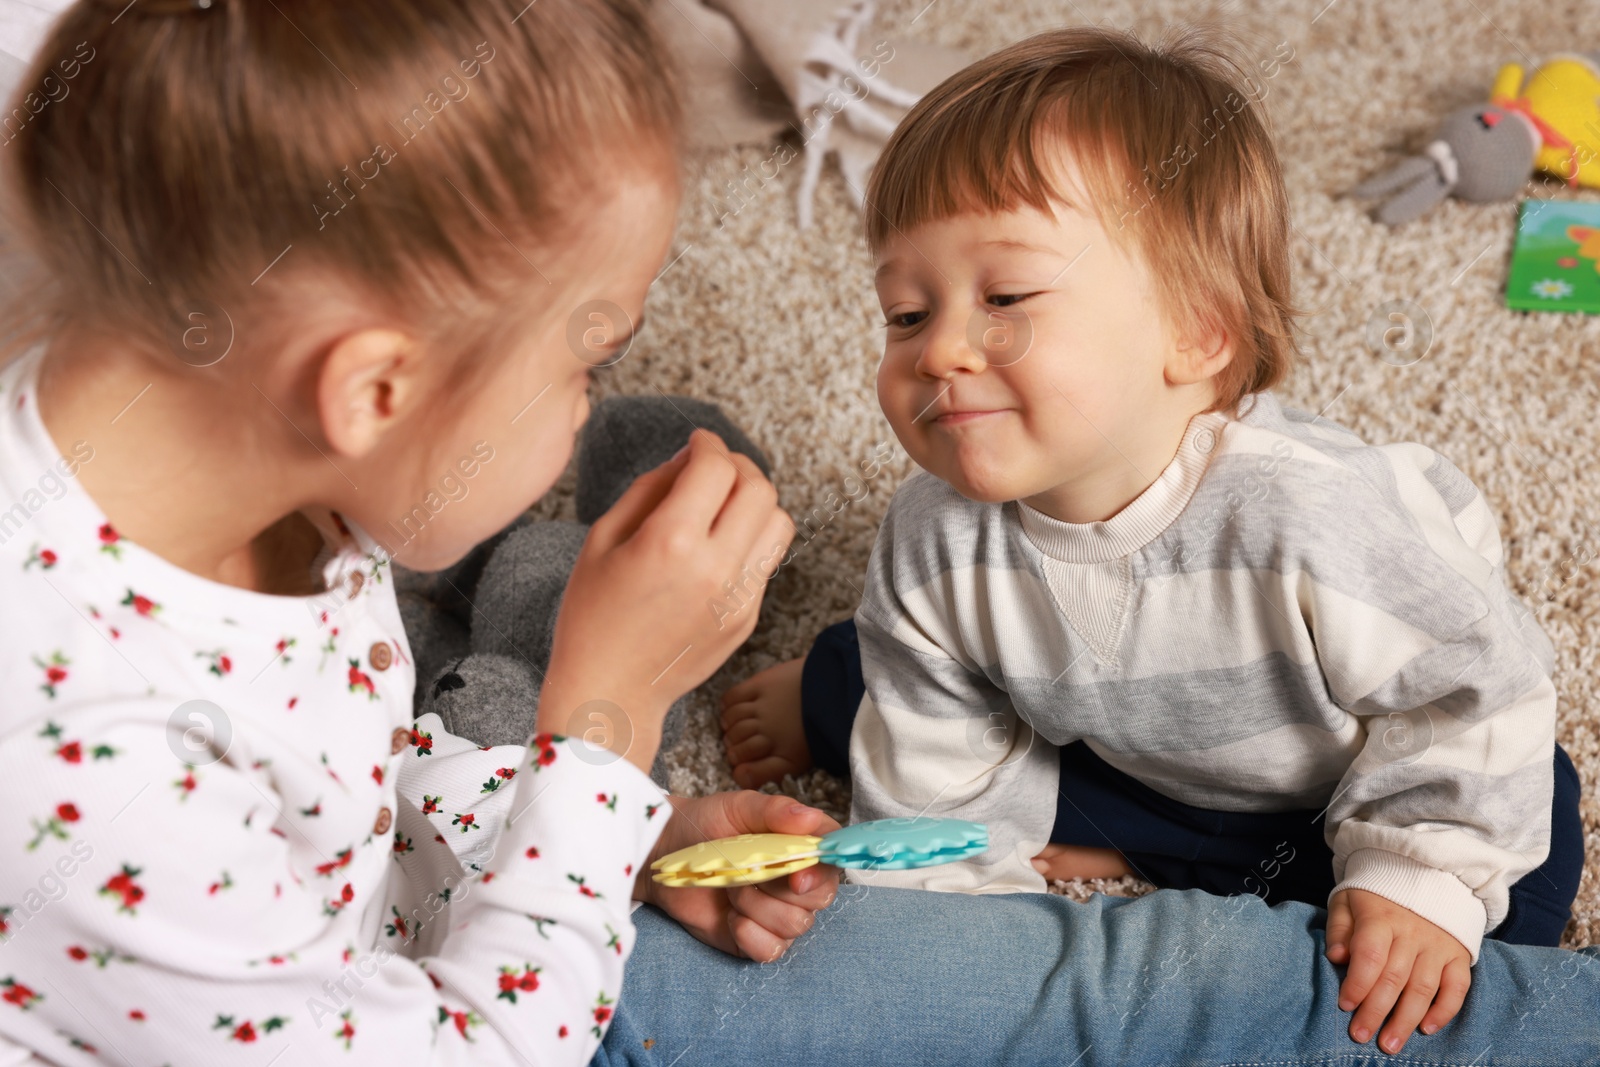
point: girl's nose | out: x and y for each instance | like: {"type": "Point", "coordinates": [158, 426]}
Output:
{"type": "Point", "coordinates": [947, 349]}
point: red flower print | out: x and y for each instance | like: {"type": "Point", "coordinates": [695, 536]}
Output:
{"type": "Point", "coordinates": [650, 810]}
{"type": "Point", "coordinates": [55, 671]}
{"type": "Point", "coordinates": [123, 885]}
{"type": "Point", "coordinates": [469, 821]}
{"type": "Point", "coordinates": [609, 801]}
{"type": "Point", "coordinates": [463, 1020]}
{"type": "Point", "coordinates": [563, 1032]}
{"type": "Point", "coordinates": [430, 804]}
{"type": "Point", "coordinates": [186, 784]}
{"type": "Point", "coordinates": [532, 853]}
{"type": "Point", "coordinates": [347, 1029]}
{"type": "Point", "coordinates": [110, 541]}
{"type": "Point", "coordinates": [292, 702]}
{"type": "Point", "coordinates": [348, 893]}
{"type": "Point", "coordinates": [377, 774]}
{"type": "Point", "coordinates": [513, 981]}
{"type": "Point", "coordinates": [245, 1032]}
{"type": "Point", "coordinates": [136, 1015]}
{"type": "Point", "coordinates": [72, 752]}
{"type": "Point", "coordinates": [616, 940]}
{"type": "Point", "coordinates": [44, 558]}
{"type": "Point", "coordinates": [402, 844]}
{"type": "Point", "coordinates": [341, 859]}
{"type": "Point", "coordinates": [141, 604]}
{"type": "Point", "coordinates": [399, 927]}
{"type": "Point", "coordinates": [19, 994]}
{"type": "Point", "coordinates": [220, 664]}
{"type": "Point", "coordinates": [220, 884]}
{"type": "Point", "coordinates": [422, 742]}
{"type": "Point", "coordinates": [546, 746]}
{"type": "Point", "coordinates": [55, 826]}
{"type": "Point", "coordinates": [585, 890]}
{"type": "Point", "coordinates": [359, 680]}
{"type": "Point", "coordinates": [67, 812]}
{"type": "Point", "coordinates": [78, 952]}
{"type": "Point", "coordinates": [5, 927]}
{"type": "Point", "coordinates": [602, 1013]}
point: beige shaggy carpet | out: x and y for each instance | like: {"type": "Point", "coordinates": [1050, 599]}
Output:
{"type": "Point", "coordinates": [782, 329]}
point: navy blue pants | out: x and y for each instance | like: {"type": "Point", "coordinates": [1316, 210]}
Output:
{"type": "Point", "coordinates": [1277, 856]}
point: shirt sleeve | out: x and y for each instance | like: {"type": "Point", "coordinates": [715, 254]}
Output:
{"type": "Point", "coordinates": [1447, 803]}
{"type": "Point", "coordinates": [162, 912]}
{"type": "Point", "coordinates": [934, 736]}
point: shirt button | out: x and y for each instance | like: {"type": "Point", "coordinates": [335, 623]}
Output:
{"type": "Point", "coordinates": [399, 740]}
{"type": "Point", "coordinates": [355, 582]}
{"type": "Point", "coordinates": [384, 820]}
{"type": "Point", "coordinates": [380, 655]}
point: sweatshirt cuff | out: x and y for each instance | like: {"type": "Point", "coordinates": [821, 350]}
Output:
{"type": "Point", "coordinates": [1438, 896]}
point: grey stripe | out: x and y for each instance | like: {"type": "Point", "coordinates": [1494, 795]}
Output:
{"type": "Point", "coordinates": [1508, 810]}
{"type": "Point", "coordinates": [1453, 487]}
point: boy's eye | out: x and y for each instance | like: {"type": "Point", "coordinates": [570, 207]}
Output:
{"type": "Point", "coordinates": [1005, 300]}
{"type": "Point", "coordinates": [906, 319]}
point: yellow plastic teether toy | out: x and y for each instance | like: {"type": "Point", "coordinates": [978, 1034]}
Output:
{"type": "Point", "coordinates": [743, 860]}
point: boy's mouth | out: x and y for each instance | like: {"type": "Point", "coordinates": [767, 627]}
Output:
{"type": "Point", "coordinates": [958, 417]}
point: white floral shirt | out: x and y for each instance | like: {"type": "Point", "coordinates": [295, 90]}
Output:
{"type": "Point", "coordinates": [224, 839]}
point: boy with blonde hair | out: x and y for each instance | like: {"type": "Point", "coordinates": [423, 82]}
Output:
{"type": "Point", "coordinates": [1134, 601]}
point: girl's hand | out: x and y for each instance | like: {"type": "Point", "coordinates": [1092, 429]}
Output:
{"type": "Point", "coordinates": [759, 922]}
{"type": "Point", "coordinates": [648, 615]}
{"type": "Point", "coordinates": [1398, 961]}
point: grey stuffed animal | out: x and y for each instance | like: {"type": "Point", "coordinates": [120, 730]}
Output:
{"type": "Point", "coordinates": [1480, 153]}
{"type": "Point", "coordinates": [480, 632]}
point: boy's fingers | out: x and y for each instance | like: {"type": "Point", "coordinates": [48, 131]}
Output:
{"type": "Point", "coordinates": [1369, 952]}
{"type": "Point", "coordinates": [1413, 1005]}
{"type": "Point", "coordinates": [1339, 923]}
{"type": "Point", "coordinates": [1454, 982]}
{"type": "Point", "coordinates": [1380, 999]}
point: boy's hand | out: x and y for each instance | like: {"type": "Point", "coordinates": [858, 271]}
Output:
{"type": "Point", "coordinates": [755, 921]}
{"type": "Point", "coordinates": [1394, 954]}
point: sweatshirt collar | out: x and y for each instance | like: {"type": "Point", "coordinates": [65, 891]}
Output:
{"type": "Point", "coordinates": [1142, 520]}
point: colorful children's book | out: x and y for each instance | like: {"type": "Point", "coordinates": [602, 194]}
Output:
{"type": "Point", "coordinates": [1555, 265]}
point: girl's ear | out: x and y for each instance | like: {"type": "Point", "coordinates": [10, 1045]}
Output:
{"type": "Point", "coordinates": [368, 380]}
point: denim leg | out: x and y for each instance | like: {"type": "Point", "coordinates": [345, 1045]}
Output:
{"type": "Point", "coordinates": [1177, 979]}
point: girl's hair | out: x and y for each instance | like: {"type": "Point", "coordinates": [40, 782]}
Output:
{"type": "Point", "coordinates": [1175, 160]}
{"type": "Point", "coordinates": [172, 158]}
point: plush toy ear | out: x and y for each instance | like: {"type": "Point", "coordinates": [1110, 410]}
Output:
{"type": "Point", "coordinates": [1412, 201]}
{"type": "Point", "coordinates": [1401, 174]}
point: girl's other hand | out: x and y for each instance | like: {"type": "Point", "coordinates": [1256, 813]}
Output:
{"type": "Point", "coordinates": [758, 922]}
{"type": "Point", "coordinates": [668, 584]}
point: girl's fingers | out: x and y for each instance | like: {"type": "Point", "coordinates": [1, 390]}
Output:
{"type": "Point", "coordinates": [1454, 982]}
{"type": "Point", "coordinates": [1413, 1005]}
{"type": "Point", "coordinates": [700, 489]}
{"type": "Point", "coordinates": [783, 920]}
{"type": "Point", "coordinates": [754, 940]}
{"type": "Point", "coordinates": [623, 519]}
{"type": "Point", "coordinates": [1380, 999]}
{"type": "Point", "coordinates": [1339, 924]}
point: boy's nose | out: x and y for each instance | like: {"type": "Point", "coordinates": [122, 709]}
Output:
{"type": "Point", "coordinates": [948, 349]}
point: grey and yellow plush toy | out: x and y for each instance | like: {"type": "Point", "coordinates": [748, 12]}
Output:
{"type": "Point", "coordinates": [480, 631]}
{"type": "Point", "coordinates": [1548, 121]}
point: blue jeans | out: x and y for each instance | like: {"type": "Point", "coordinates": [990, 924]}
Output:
{"type": "Point", "coordinates": [898, 976]}
{"type": "Point", "coordinates": [1277, 856]}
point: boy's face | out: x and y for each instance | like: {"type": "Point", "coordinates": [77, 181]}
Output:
{"type": "Point", "coordinates": [1026, 358]}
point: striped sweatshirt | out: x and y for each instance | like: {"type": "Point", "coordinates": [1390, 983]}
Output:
{"type": "Point", "coordinates": [1286, 618]}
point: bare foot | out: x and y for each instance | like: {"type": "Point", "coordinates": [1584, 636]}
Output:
{"type": "Point", "coordinates": [761, 726]}
{"type": "Point", "coordinates": [1063, 863]}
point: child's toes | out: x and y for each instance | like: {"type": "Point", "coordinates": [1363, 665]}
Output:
{"type": "Point", "coordinates": [733, 714]}
{"type": "Point", "coordinates": [757, 774]}
{"type": "Point", "coordinates": [756, 746]}
{"type": "Point", "coordinates": [749, 689]}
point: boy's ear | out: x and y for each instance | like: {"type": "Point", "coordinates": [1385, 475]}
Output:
{"type": "Point", "coordinates": [368, 379]}
{"type": "Point", "coordinates": [1204, 356]}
